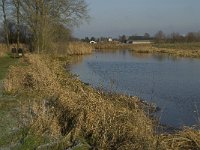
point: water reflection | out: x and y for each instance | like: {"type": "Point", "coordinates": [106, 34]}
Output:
{"type": "Point", "coordinates": [173, 83]}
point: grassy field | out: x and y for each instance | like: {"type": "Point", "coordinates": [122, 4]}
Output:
{"type": "Point", "coordinates": [57, 111]}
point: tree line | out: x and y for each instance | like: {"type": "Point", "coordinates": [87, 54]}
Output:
{"type": "Point", "coordinates": [159, 37]}
{"type": "Point", "coordinates": [175, 37]}
{"type": "Point", "coordinates": [40, 23]}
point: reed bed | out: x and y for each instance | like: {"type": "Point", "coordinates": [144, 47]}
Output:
{"type": "Point", "coordinates": [59, 105]}
{"type": "Point", "coordinates": [111, 46]}
{"type": "Point", "coordinates": [72, 48]}
{"type": "Point", "coordinates": [79, 48]}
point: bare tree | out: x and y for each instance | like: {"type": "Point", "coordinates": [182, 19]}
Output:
{"type": "Point", "coordinates": [146, 35]}
{"type": "Point", "coordinates": [160, 36]}
{"type": "Point", "coordinates": [176, 37]}
{"type": "Point", "coordinates": [17, 16]}
{"type": "Point", "coordinates": [43, 16]}
{"type": "Point", "coordinates": [3, 5]}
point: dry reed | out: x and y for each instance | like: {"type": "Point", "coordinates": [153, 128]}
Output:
{"type": "Point", "coordinates": [111, 45]}
{"type": "Point", "coordinates": [71, 48]}
{"type": "Point", "coordinates": [79, 48]}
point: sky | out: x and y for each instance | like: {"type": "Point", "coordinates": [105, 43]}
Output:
{"type": "Point", "coordinates": [112, 18]}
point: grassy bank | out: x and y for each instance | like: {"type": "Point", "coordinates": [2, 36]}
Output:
{"type": "Point", "coordinates": [178, 49]}
{"type": "Point", "coordinates": [175, 49]}
{"type": "Point", "coordinates": [58, 112]}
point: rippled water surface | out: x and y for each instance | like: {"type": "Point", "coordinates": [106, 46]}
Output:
{"type": "Point", "coordinates": [171, 83]}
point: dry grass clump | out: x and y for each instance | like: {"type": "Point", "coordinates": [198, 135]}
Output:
{"type": "Point", "coordinates": [184, 140]}
{"type": "Point", "coordinates": [3, 50]}
{"type": "Point", "coordinates": [37, 77]}
{"type": "Point", "coordinates": [61, 106]}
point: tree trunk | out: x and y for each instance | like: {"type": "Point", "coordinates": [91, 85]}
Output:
{"type": "Point", "coordinates": [18, 24]}
{"type": "Point", "coordinates": [5, 25]}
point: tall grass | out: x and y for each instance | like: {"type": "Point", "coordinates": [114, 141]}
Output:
{"type": "Point", "coordinates": [79, 48]}
{"type": "Point", "coordinates": [61, 106]}
{"type": "Point", "coordinates": [111, 45]}
{"type": "Point", "coordinates": [71, 48]}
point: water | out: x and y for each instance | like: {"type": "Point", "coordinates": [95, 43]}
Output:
{"type": "Point", "coordinates": [173, 84]}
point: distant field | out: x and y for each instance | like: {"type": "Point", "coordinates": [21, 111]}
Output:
{"type": "Point", "coordinates": [179, 46]}
{"type": "Point", "coordinates": [175, 49]}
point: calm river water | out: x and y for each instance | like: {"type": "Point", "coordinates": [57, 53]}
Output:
{"type": "Point", "coordinates": [172, 83]}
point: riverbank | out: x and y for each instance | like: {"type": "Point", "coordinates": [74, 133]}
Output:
{"type": "Point", "coordinates": [58, 112]}
{"type": "Point", "coordinates": [175, 49]}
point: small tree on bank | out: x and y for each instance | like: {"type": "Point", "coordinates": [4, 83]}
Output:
{"type": "Point", "coordinates": [160, 37]}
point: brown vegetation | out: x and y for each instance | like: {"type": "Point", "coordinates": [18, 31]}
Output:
{"type": "Point", "coordinates": [70, 48]}
{"type": "Point", "coordinates": [61, 106]}
{"type": "Point", "coordinates": [180, 49]}
{"type": "Point", "coordinates": [175, 49]}
{"type": "Point", "coordinates": [111, 45]}
{"type": "Point", "coordinates": [79, 48]}
{"type": "Point", "coordinates": [3, 50]}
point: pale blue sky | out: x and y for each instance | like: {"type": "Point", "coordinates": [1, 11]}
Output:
{"type": "Point", "coordinates": [117, 17]}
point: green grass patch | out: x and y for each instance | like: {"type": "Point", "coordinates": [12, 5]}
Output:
{"type": "Point", "coordinates": [5, 63]}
